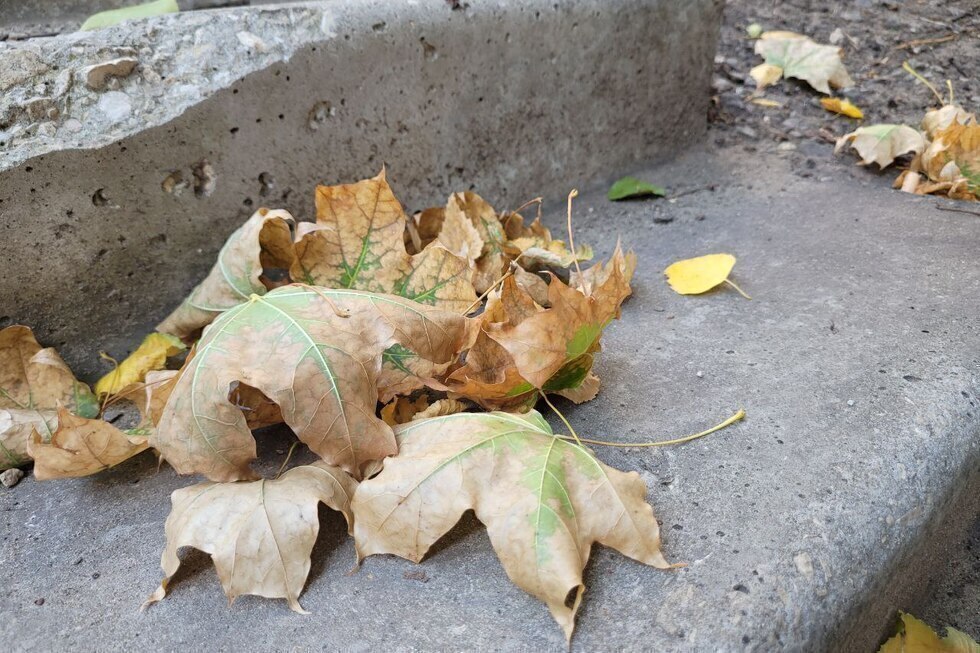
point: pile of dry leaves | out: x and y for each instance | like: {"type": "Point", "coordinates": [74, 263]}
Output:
{"type": "Point", "coordinates": [370, 334]}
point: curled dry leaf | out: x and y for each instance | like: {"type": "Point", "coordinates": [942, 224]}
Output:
{"type": "Point", "coordinates": [259, 534]}
{"type": "Point", "coordinates": [16, 427]}
{"type": "Point", "coordinates": [80, 447]}
{"type": "Point", "coordinates": [524, 349]}
{"type": "Point", "coordinates": [402, 409]}
{"type": "Point", "coordinates": [843, 107]}
{"type": "Point", "coordinates": [544, 501]}
{"type": "Point", "coordinates": [151, 355]}
{"type": "Point", "coordinates": [881, 144]}
{"type": "Point", "coordinates": [316, 353]}
{"type": "Point", "coordinates": [939, 119]}
{"type": "Point", "coordinates": [953, 154]}
{"type": "Point", "coordinates": [797, 56]}
{"type": "Point", "coordinates": [915, 636]}
{"type": "Point", "coordinates": [263, 242]}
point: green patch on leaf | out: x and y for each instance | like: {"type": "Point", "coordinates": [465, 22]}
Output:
{"type": "Point", "coordinates": [116, 16]}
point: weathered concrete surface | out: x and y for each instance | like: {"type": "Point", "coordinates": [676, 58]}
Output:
{"type": "Point", "coordinates": [506, 96]}
{"type": "Point", "coordinates": [804, 527]}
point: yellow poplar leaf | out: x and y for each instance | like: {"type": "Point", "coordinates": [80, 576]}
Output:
{"type": "Point", "coordinates": [766, 75]}
{"type": "Point", "coordinates": [81, 447]}
{"type": "Point", "coordinates": [259, 534]}
{"type": "Point", "coordinates": [694, 276]}
{"type": "Point", "coordinates": [881, 144]}
{"type": "Point", "coordinates": [543, 500]}
{"type": "Point", "coordinates": [16, 427]}
{"type": "Point", "coordinates": [843, 107]}
{"type": "Point", "coordinates": [915, 636]}
{"type": "Point", "coordinates": [314, 352]}
{"type": "Point", "coordinates": [151, 355]}
{"type": "Point", "coordinates": [264, 241]}
{"type": "Point", "coordinates": [35, 378]}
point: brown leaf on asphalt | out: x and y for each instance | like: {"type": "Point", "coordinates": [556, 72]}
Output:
{"type": "Point", "coordinates": [263, 242]}
{"type": "Point", "coordinates": [543, 500]}
{"type": "Point", "coordinates": [81, 447]}
{"type": "Point", "coordinates": [314, 352]}
{"type": "Point", "coordinates": [32, 377]}
{"type": "Point", "coordinates": [794, 55]}
{"type": "Point", "coordinates": [259, 534]}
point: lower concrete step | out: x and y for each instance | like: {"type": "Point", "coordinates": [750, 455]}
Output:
{"type": "Point", "coordinates": [804, 527]}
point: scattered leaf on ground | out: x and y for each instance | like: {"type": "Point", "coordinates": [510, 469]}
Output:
{"type": "Point", "coordinates": [544, 501]}
{"type": "Point", "coordinates": [799, 57]}
{"type": "Point", "coordinates": [259, 534]}
{"type": "Point", "coordinates": [843, 107]}
{"type": "Point", "coordinates": [314, 352]}
{"type": "Point", "coordinates": [151, 355]}
{"type": "Point", "coordinates": [80, 447]}
{"type": "Point", "coordinates": [881, 144]}
{"type": "Point", "coordinates": [941, 118]}
{"type": "Point", "coordinates": [915, 636]}
{"type": "Point", "coordinates": [116, 16]}
{"type": "Point", "coordinates": [694, 276]}
{"type": "Point", "coordinates": [632, 188]}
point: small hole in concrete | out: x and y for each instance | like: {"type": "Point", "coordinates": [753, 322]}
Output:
{"type": "Point", "coordinates": [174, 183]}
{"type": "Point", "coordinates": [268, 183]}
{"type": "Point", "coordinates": [29, 168]}
{"type": "Point", "coordinates": [234, 130]}
{"type": "Point", "coordinates": [247, 201]}
{"type": "Point", "coordinates": [99, 197]}
{"type": "Point", "coordinates": [204, 178]}
{"type": "Point", "coordinates": [319, 114]}
{"type": "Point", "coordinates": [378, 27]}
{"type": "Point", "coordinates": [281, 116]}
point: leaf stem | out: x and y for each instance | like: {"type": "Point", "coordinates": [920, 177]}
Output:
{"type": "Point", "coordinates": [663, 443]}
{"type": "Point", "coordinates": [289, 455]}
{"type": "Point", "coordinates": [319, 291]}
{"type": "Point", "coordinates": [115, 376]}
{"type": "Point", "coordinates": [487, 292]}
{"type": "Point", "coordinates": [571, 242]}
{"type": "Point", "coordinates": [562, 418]}
{"type": "Point", "coordinates": [740, 291]}
{"type": "Point", "coordinates": [910, 70]}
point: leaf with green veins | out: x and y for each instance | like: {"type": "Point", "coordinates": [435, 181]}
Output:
{"type": "Point", "coordinates": [314, 352]}
{"type": "Point", "coordinates": [16, 427]}
{"type": "Point", "coordinates": [629, 188]}
{"type": "Point", "coordinates": [263, 242]}
{"type": "Point", "coordinates": [116, 16]}
{"type": "Point", "coordinates": [544, 502]}
{"type": "Point", "coordinates": [798, 56]}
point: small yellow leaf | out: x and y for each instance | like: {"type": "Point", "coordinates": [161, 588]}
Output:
{"type": "Point", "coordinates": [150, 355]}
{"type": "Point", "coordinates": [766, 75]}
{"type": "Point", "coordinates": [843, 107]}
{"type": "Point", "coordinates": [694, 276]}
{"type": "Point", "coordinates": [915, 636]}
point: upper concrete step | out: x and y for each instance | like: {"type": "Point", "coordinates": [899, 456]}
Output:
{"type": "Point", "coordinates": [116, 192]}
{"type": "Point", "coordinates": [804, 527]}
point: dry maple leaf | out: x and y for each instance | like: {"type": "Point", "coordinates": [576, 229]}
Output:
{"type": "Point", "coordinates": [80, 447]}
{"type": "Point", "coordinates": [954, 153]}
{"type": "Point", "coordinates": [543, 500]}
{"type": "Point", "coordinates": [941, 118]}
{"type": "Point", "coordinates": [16, 427]}
{"type": "Point", "coordinates": [316, 353]}
{"type": "Point", "coordinates": [259, 534]}
{"type": "Point", "coordinates": [797, 56]}
{"type": "Point", "coordinates": [358, 242]}
{"type": "Point", "coordinates": [881, 144]}
{"type": "Point", "coordinates": [264, 241]}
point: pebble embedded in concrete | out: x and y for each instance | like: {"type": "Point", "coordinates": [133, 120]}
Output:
{"type": "Point", "coordinates": [11, 477]}
{"type": "Point", "coordinates": [98, 75]}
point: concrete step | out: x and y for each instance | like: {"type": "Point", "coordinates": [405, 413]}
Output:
{"type": "Point", "coordinates": [858, 359]}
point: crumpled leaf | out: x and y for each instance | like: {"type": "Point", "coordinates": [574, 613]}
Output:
{"type": "Point", "coordinates": [402, 409]}
{"type": "Point", "coordinates": [314, 352]}
{"type": "Point", "coordinates": [32, 377]}
{"type": "Point", "coordinates": [259, 534]}
{"type": "Point", "coordinates": [915, 636]}
{"type": "Point", "coordinates": [881, 144]}
{"type": "Point", "coordinates": [264, 241]}
{"type": "Point", "coordinates": [631, 187]}
{"type": "Point", "coordinates": [16, 427]}
{"type": "Point", "coordinates": [358, 242]}
{"type": "Point", "coordinates": [544, 502]}
{"type": "Point", "coordinates": [151, 355]}
{"type": "Point", "coordinates": [939, 119]}
{"type": "Point", "coordinates": [843, 107]}
{"type": "Point", "coordinates": [80, 447]}
{"type": "Point", "coordinates": [797, 56]}
{"type": "Point", "coordinates": [524, 349]}
{"type": "Point", "coordinates": [116, 16]}
{"type": "Point", "coordinates": [694, 276]}
{"type": "Point", "coordinates": [492, 260]}
{"type": "Point", "coordinates": [953, 154]}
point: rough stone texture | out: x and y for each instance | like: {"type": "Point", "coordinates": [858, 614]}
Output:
{"type": "Point", "coordinates": [506, 96]}
{"type": "Point", "coordinates": [804, 527]}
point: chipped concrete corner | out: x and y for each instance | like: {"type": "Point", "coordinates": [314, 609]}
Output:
{"type": "Point", "coordinates": [127, 155]}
